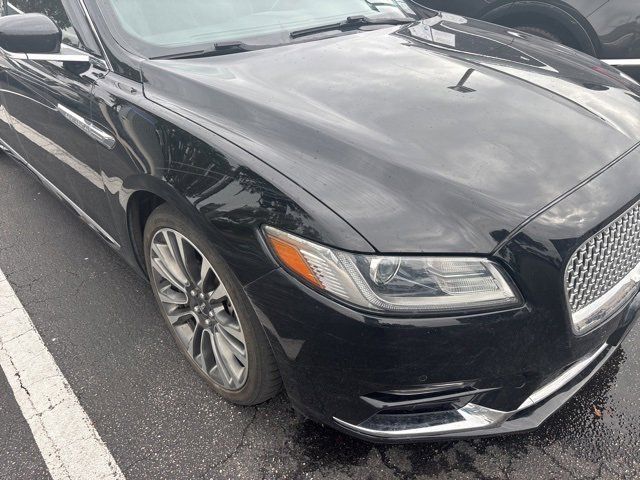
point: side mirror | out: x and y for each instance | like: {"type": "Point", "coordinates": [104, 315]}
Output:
{"type": "Point", "coordinates": [33, 36]}
{"type": "Point", "coordinates": [29, 33]}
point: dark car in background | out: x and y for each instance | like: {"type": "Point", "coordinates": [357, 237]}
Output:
{"type": "Point", "coordinates": [607, 29]}
{"type": "Point", "coordinates": [423, 226]}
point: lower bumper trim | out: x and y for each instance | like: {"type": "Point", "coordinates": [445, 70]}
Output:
{"type": "Point", "coordinates": [469, 418]}
{"type": "Point", "coordinates": [552, 387]}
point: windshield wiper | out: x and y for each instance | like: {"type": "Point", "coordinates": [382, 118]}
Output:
{"type": "Point", "coordinates": [351, 22]}
{"type": "Point", "coordinates": [235, 46]}
{"type": "Point", "coordinates": [219, 48]}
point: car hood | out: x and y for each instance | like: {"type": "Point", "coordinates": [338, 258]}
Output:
{"type": "Point", "coordinates": [441, 136]}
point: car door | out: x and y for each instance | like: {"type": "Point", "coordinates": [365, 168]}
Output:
{"type": "Point", "coordinates": [49, 107]}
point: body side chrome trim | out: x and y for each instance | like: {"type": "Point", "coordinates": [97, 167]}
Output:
{"type": "Point", "coordinates": [88, 127]}
{"type": "Point", "coordinates": [56, 191]}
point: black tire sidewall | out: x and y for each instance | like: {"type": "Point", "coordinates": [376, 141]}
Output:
{"type": "Point", "coordinates": [540, 32]}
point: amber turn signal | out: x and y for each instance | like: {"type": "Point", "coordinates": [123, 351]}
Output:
{"type": "Point", "coordinates": [291, 258]}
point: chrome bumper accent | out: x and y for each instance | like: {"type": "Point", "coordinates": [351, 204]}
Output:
{"type": "Point", "coordinates": [552, 387]}
{"type": "Point", "coordinates": [469, 417]}
{"type": "Point", "coordinates": [473, 417]}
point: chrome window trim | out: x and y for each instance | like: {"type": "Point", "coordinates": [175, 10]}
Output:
{"type": "Point", "coordinates": [95, 61]}
{"type": "Point", "coordinates": [81, 56]}
{"type": "Point", "coordinates": [20, 12]}
{"type": "Point", "coordinates": [625, 62]}
{"type": "Point", "coordinates": [49, 57]}
{"type": "Point", "coordinates": [92, 25]}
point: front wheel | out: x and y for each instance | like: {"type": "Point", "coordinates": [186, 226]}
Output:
{"type": "Point", "coordinates": [207, 310]}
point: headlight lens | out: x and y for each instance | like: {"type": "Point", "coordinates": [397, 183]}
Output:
{"type": "Point", "coordinates": [396, 284]}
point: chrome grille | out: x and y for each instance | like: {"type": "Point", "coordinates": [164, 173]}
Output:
{"type": "Point", "coordinates": [604, 261]}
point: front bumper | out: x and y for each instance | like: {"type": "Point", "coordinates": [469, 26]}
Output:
{"type": "Point", "coordinates": [475, 420]}
{"type": "Point", "coordinates": [336, 362]}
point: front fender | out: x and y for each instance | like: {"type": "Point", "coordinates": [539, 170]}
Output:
{"type": "Point", "coordinates": [220, 187]}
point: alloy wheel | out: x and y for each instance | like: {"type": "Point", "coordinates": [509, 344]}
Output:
{"type": "Point", "coordinates": [199, 309]}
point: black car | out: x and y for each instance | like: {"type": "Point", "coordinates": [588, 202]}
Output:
{"type": "Point", "coordinates": [424, 226]}
{"type": "Point", "coordinates": [607, 29]}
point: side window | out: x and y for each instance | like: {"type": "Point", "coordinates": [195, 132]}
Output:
{"type": "Point", "coordinates": [55, 11]}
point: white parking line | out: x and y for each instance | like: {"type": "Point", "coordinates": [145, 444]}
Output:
{"type": "Point", "coordinates": [70, 445]}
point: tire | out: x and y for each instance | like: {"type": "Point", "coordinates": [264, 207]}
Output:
{"type": "Point", "coordinates": [228, 347]}
{"type": "Point", "coordinates": [541, 32]}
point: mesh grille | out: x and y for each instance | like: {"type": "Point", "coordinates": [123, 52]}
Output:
{"type": "Point", "coordinates": [604, 260]}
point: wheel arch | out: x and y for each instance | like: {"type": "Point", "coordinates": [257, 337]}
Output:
{"type": "Point", "coordinates": [145, 194]}
{"type": "Point", "coordinates": [556, 12]}
{"type": "Point", "coordinates": [140, 206]}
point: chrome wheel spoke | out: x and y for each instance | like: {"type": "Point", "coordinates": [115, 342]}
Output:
{"type": "Point", "coordinates": [193, 347]}
{"type": "Point", "coordinates": [230, 326]}
{"type": "Point", "coordinates": [205, 272]}
{"type": "Point", "coordinates": [221, 368]}
{"type": "Point", "coordinates": [206, 359]}
{"type": "Point", "coordinates": [173, 297]}
{"type": "Point", "coordinates": [227, 360]}
{"type": "Point", "coordinates": [159, 265]}
{"type": "Point", "coordinates": [218, 295]}
{"type": "Point", "coordinates": [230, 341]}
{"type": "Point", "coordinates": [178, 254]}
{"type": "Point", "coordinates": [179, 315]}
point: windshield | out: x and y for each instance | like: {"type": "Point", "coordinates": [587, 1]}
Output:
{"type": "Point", "coordinates": [163, 27]}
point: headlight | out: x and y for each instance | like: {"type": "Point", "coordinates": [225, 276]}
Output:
{"type": "Point", "coordinates": [395, 284]}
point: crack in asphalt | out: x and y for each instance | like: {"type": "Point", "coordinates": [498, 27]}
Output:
{"type": "Point", "coordinates": [237, 448]}
{"type": "Point", "coordinates": [559, 464]}
{"type": "Point", "coordinates": [390, 465]}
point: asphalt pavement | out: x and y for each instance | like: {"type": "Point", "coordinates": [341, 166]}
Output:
{"type": "Point", "coordinates": [159, 420]}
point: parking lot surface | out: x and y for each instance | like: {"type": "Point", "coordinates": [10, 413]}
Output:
{"type": "Point", "coordinates": [159, 420]}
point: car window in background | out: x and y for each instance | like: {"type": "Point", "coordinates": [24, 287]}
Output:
{"type": "Point", "coordinates": [153, 26]}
